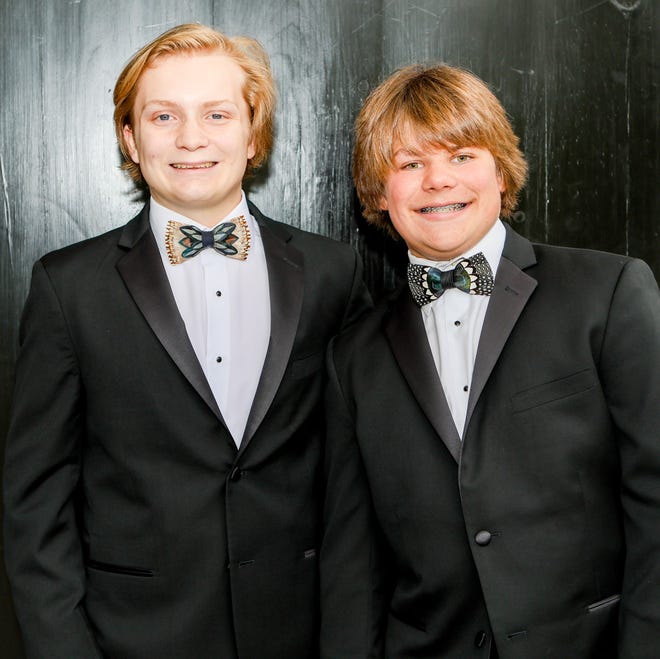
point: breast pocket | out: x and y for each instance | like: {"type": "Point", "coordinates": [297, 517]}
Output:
{"type": "Point", "coordinates": [126, 570]}
{"type": "Point", "coordinates": [548, 392]}
{"type": "Point", "coordinates": [605, 604]}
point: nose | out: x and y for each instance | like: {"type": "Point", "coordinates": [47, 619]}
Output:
{"type": "Point", "coordinates": [191, 135]}
{"type": "Point", "coordinates": [437, 175]}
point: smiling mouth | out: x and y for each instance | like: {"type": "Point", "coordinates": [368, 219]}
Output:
{"type": "Point", "coordinates": [443, 209]}
{"type": "Point", "coordinates": [193, 165]}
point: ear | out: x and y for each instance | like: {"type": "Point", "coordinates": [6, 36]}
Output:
{"type": "Point", "coordinates": [500, 182]}
{"type": "Point", "coordinates": [382, 203]}
{"type": "Point", "coordinates": [251, 150]}
{"type": "Point", "coordinates": [129, 139]}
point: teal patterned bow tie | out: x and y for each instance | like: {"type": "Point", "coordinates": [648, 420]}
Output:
{"type": "Point", "coordinates": [472, 275]}
{"type": "Point", "coordinates": [230, 238]}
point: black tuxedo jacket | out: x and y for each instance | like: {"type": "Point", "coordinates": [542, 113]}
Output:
{"type": "Point", "coordinates": [133, 525]}
{"type": "Point", "coordinates": [540, 527]}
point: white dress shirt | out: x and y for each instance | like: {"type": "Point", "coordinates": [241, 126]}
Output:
{"type": "Point", "coordinates": [225, 305]}
{"type": "Point", "coordinates": [453, 325]}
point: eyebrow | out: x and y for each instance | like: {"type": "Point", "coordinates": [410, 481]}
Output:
{"type": "Point", "coordinates": [424, 149]}
{"type": "Point", "coordinates": [406, 153]}
{"type": "Point", "coordinates": [172, 104]}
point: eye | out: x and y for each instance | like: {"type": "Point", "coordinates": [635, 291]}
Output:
{"type": "Point", "coordinates": [411, 165]}
{"type": "Point", "coordinates": [462, 157]}
{"type": "Point", "coordinates": [217, 116]}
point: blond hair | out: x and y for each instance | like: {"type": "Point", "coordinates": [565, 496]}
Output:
{"type": "Point", "coordinates": [435, 105]}
{"type": "Point", "coordinates": [259, 89]}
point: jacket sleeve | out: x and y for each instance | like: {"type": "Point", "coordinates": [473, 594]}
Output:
{"type": "Point", "coordinates": [41, 477]}
{"type": "Point", "coordinates": [351, 585]}
{"type": "Point", "coordinates": [630, 372]}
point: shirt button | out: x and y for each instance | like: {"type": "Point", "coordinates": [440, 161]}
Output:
{"type": "Point", "coordinates": [465, 388]}
{"type": "Point", "coordinates": [457, 323]}
{"type": "Point", "coordinates": [218, 293]}
{"type": "Point", "coordinates": [218, 359]}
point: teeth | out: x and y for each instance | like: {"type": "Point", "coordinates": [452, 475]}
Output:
{"type": "Point", "coordinates": [201, 165]}
{"type": "Point", "coordinates": [443, 209]}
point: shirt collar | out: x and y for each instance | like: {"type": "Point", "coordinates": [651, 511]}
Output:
{"type": "Point", "coordinates": [491, 245]}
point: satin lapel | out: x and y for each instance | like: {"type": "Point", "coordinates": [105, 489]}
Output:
{"type": "Point", "coordinates": [513, 289]}
{"type": "Point", "coordinates": [407, 336]}
{"type": "Point", "coordinates": [285, 282]}
{"type": "Point", "coordinates": [142, 271]}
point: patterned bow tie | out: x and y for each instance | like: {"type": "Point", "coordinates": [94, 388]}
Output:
{"type": "Point", "coordinates": [472, 275]}
{"type": "Point", "coordinates": [230, 238]}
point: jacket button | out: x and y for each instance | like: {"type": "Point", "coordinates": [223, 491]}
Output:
{"type": "Point", "coordinates": [483, 538]}
{"type": "Point", "coordinates": [480, 639]}
{"type": "Point", "coordinates": [235, 475]}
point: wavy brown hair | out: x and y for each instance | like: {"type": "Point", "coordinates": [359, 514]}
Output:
{"type": "Point", "coordinates": [433, 105]}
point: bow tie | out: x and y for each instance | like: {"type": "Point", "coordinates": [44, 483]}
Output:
{"type": "Point", "coordinates": [230, 238]}
{"type": "Point", "coordinates": [472, 275]}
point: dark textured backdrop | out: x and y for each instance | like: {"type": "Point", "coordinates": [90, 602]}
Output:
{"type": "Point", "coordinates": [578, 77]}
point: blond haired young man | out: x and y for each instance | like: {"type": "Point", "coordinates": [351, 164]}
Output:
{"type": "Point", "coordinates": [493, 454]}
{"type": "Point", "coordinates": [162, 489]}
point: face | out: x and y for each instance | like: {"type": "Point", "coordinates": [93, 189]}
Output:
{"type": "Point", "coordinates": [191, 134]}
{"type": "Point", "coordinates": [442, 202]}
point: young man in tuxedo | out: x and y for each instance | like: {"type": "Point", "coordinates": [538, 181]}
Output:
{"type": "Point", "coordinates": [493, 454]}
{"type": "Point", "coordinates": [163, 479]}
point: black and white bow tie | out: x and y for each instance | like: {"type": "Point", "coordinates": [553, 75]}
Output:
{"type": "Point", "coordinates": [471, 275]}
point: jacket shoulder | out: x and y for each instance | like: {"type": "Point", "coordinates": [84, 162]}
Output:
{"type": "Point", "coordinates": [579, 256]}
{"type": "Point", "coordinates": [300, 238]}
{"type": "Point", "coordinates": [584, 268]}
{"type": "Point", "coordinates": [307, 240]}
{"type": "Point", "coordinates": [87, 248]}
{"type": "Point", "coordinates": [365, 335]}
{"type": "Point", "coordinates": [91, 251]}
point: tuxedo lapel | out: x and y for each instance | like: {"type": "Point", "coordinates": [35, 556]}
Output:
{"type": "Point", "coordinates": [141, 269]}
{"type": "Point", "coordinates": [405, 331]}
{"type": "Point", "coordinates": [285, 281]}
{"type": "Point", "coordinates": [513, 289]}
